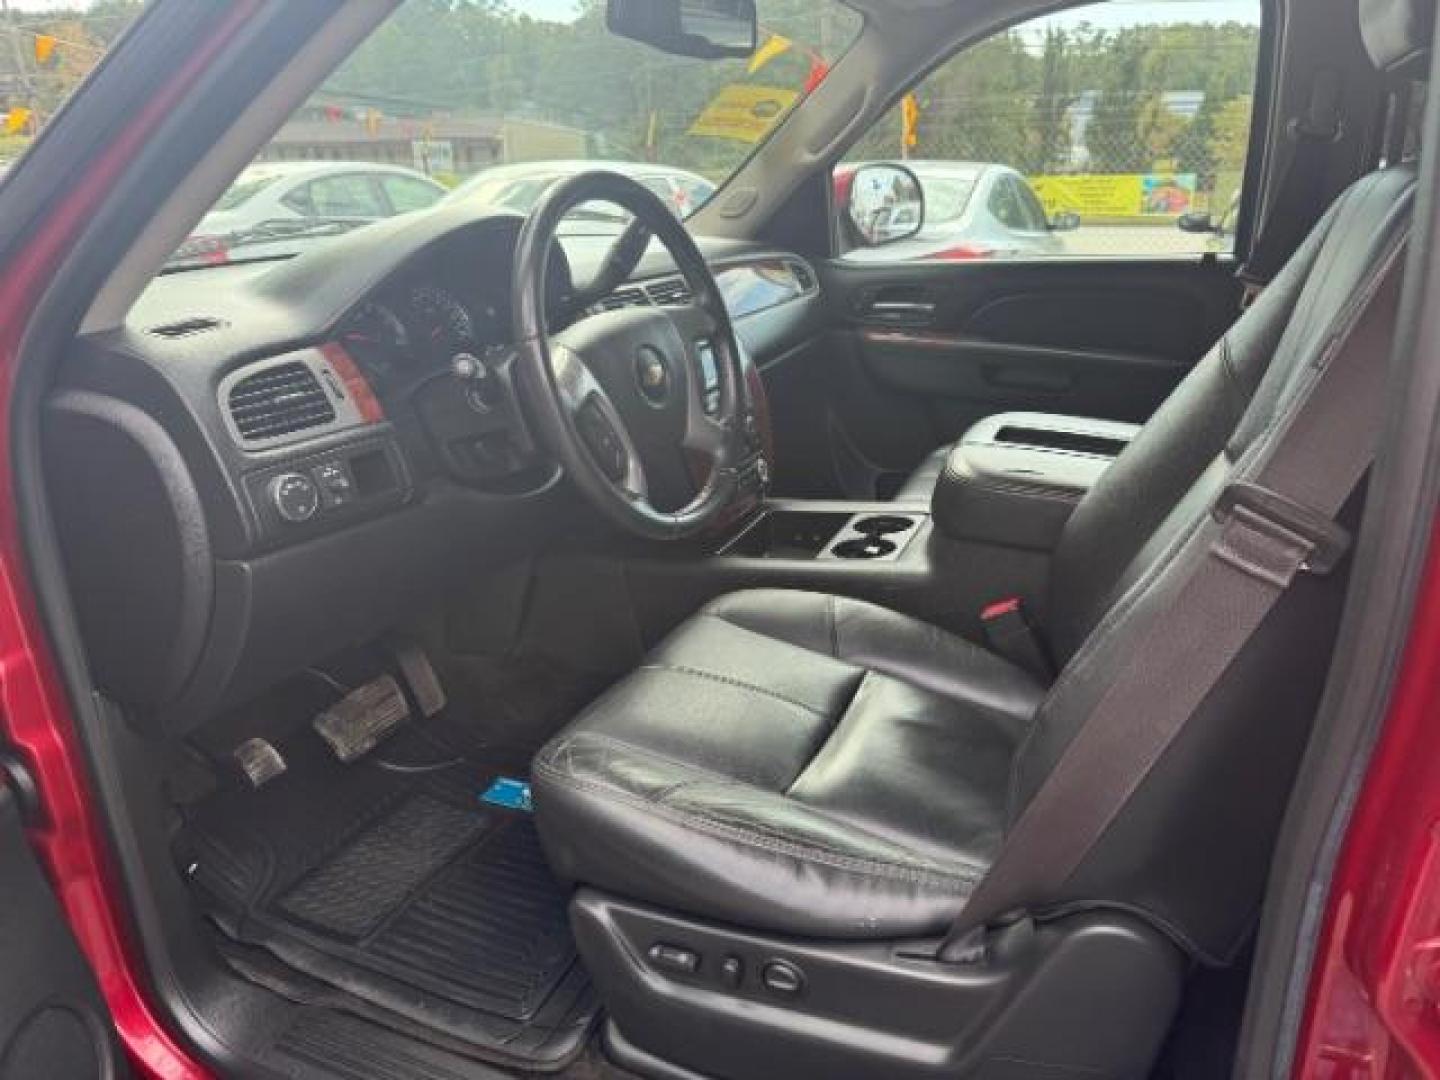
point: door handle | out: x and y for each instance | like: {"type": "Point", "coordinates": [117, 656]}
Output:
{"type": "Point", "coordinates": [900, 312]}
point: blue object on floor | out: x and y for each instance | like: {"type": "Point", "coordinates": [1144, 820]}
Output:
{"type": "Point", "coordinates": [510, 793]}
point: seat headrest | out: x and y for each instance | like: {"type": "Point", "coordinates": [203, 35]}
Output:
{"type": "Point", "coordinates": [1397, 34]}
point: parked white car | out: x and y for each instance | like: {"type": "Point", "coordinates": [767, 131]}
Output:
{"type": "Point", "coordinates": [518, 187]}
{"type": "Point", "coordinates": [270, 202]}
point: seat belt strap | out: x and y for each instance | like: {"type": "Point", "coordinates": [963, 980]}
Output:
{"type": "Point", "coordinates": [1299, 194]}
{"type": "Point", "coordinates": [1273, 521]}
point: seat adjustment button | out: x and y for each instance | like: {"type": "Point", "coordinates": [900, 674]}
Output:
{"type": "Point", "coordinates": [675, 958]}
{"type": "Point", "coordinates": [783, 978]}
{"type": "Point", "coordinates": [732, 971]}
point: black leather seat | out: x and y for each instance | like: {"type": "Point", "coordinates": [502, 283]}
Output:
{"type": "Point", "coordinates": [815, 765]}
{"type": "Point", "coordinates": [820, 768]}
{"type": "Point", "coordinates": [796, 761]}
{"type": "Point", "coordinates": [919, 486]}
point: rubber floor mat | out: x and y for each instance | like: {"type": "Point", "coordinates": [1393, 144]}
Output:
{"type": "Point", "coordinates": [405, 892]}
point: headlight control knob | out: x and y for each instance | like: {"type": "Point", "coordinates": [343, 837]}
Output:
{"type": "Point", "coordinates": [295, 497]}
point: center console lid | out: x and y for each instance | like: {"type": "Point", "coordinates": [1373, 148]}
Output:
{"type": "Point", "coordinates": [1014, 478]}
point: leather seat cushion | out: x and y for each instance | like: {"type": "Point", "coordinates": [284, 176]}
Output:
{"type": "Point", "coordinates": [793, 762]}
{"type": "Point", "coordinates": [920, 484]}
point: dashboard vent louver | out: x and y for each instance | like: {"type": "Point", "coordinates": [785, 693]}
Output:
{"type": "Point", "coordinates": [629, 296]}
{"type": "Point", "coordinates": [668, 292]}
{"type": "Point", "coordinates": [185, 327]}
{"type": "Point", "coordinates": [804, 276]}
{"type": "Point", "coordinates": [279, 401]}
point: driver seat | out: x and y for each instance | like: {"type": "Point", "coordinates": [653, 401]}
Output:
{"type": "Point", "coordinates": [795, 788]}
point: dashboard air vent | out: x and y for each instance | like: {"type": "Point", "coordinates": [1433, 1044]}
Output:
{"type": "Point", "coordinates": [185, 327]}
{"type": "Point", "coordinates": [804, 276]}
{"type": "Point", "coordinates": [629, 296]}
{"type": "Point", "coordinates": [668, 292]}
{"type": "Point", "coordinates": [279, 400]}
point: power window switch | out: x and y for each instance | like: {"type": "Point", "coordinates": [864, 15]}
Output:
{"type": "Point", "coordinates": [675, 958]}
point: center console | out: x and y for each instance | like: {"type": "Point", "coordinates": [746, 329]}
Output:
{"type": "Point", "coordinates": [1014, 478]}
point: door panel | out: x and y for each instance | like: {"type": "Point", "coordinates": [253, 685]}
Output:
{"type": "Point", "coordinates": [932, 348]}
{"type": "Point", "coordinates": [53, 1022]}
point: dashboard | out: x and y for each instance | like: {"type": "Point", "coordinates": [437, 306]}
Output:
{"type": "Point", "coordinates": [300, 451]}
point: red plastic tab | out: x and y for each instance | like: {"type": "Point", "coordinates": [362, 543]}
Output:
{"type": "Point", "coordinates": [1009, 606]}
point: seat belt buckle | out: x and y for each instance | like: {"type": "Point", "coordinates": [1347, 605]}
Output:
{"type": "Point", "coordinates": [1264, 508]}
{"type": "Point", "coordinates": [1009, 632]}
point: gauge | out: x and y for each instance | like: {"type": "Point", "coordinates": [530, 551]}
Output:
{"type": "Point", "coordinates": [441, 322]}
{"type": "Point", "coordinates": [376, 337]}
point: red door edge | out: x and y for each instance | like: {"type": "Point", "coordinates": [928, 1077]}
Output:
{"type": "Point", "coordinates": [36, 718]}
{"type": "Point", "coordinates": [1374, 1000]}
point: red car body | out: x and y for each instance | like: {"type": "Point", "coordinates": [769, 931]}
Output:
{"type": "Point", "coordinates": [1374, 1004]}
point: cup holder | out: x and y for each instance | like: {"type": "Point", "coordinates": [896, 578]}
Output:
{"type": "Point", "coordinates": [864, 547]}
{"type": "Point", "coordinates": [882, 524]}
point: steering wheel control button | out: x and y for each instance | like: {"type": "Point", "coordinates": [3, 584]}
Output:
{"type": "Point", "coordinates": [675, 958]}
{"type": "Point", "coordinates": [782, 978]}
{"type": "Point", "coordinates": [337, 488]}
{"type": "Point", "coordinates": [602, 439]}
{"type": "Point", "coordinates": [295, 497]}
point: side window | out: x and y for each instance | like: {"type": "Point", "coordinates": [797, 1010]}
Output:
{"type": "Point", "coordinates": [1128, 123]}
{"type": "Point", "coordinates": [350, 195]}
{"type": "Point", "coordinates": [1003, 205]}
{"type": "Point", "coordinates": [299, 200]}
{"type": "Point", "coordinates": [1032, 214]}
{"type": "Point", "coordinates": [406, 193]}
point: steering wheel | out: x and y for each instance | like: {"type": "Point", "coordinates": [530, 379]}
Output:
{"type": "Point", "coordinates": [617, 383]}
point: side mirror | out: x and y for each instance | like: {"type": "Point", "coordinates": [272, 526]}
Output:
{"type": "Point", "coordinates": [1065, 221]}
{"type": "Point", "coordinates": [1196, 221]}
{"type": "Point", "coordinates": [885, 203]}
{"type": "Point", "coordinates": [708, 29]}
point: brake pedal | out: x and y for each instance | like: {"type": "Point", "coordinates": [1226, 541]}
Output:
{"type": "Point", "coordinates": [420, 676]}
{"type": "Point", "coordinates": [363, 718]}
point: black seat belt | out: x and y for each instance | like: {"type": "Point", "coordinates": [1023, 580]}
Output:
{"type": "Point", "coordinates": [1273, 521]}
{"type": "Point", "coordinates": [1298, 198]}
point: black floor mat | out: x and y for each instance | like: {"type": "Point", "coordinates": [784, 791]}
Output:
{"type": "Point", "coordinates": [403, 890]}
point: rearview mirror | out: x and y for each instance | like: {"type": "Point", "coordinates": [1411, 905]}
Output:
{"type": "Point", "coordinates": [1196, 221]}
{"type": "Point", "coordinates": [708, 29]}
{"type": "Point", "coordinates": [884, 203]}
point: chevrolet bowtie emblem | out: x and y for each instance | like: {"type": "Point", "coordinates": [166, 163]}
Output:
{"type": "Point", "coordinates": [652, 374]}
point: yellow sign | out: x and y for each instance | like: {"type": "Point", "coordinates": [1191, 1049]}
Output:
{"type": "Point", "coordinates": [1117, 194]}
{"type": "Point", "coordinates": [16, 120]}
{"type": "Point", "coordinates": [744, 113]}
{"type": "Point", "coordinates": [910, 121]}
{"type": "Point", "coordinates": [775, 45]}
{"type": "Point", "coordinates": [44, 48]}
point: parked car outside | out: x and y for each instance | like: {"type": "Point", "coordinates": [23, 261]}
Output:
{"type": "Point", "coordinates": [973, 210]}
{"type": "Point", "coordinates": [273, 202]}
{"type": "Point", "coordinates": [518, 187]}
{"type": "Point", "coordinates": [587, 232]}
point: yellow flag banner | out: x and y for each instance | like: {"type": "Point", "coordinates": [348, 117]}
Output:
{"type": "Point", "coordinates": [16, 120]}
{"type": "Point", "coordinates": [743, 113]}
{"type": "Point", "coordinates": [775, 45]}
{"type": "Point", "coordinates": [372, 122]}
{"type": "Point", "coordinates": [44, 48]}
{"type": "Point", "coordinates": [1117, 194]}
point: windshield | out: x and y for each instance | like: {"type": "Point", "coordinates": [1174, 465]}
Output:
{"type": "Point", "coordinates": [491, 103]}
